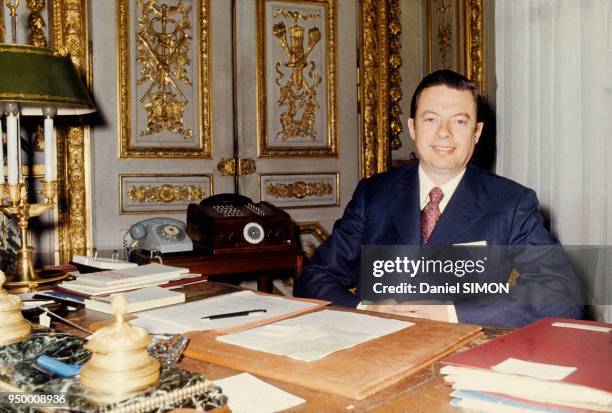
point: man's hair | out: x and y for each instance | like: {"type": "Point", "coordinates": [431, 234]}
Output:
{"type": "Point", "coordinates": [446, 78]}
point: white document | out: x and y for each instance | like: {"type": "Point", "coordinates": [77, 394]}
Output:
{"type": "Point", "coordinates": [541, 371]}
{"type": "Point", "coordinates": [248, 394]}
{"type": "Point", "coordinates": [188, 316]}
{"type": "Point", "coordinates": [158, 326]}
{"type": "Point", "coordinates": [313, 336]}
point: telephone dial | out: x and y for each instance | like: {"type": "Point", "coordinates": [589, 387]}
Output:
{"type": "Point", "coordinates": [234, 223]}
{"type": "Point", "coordinates": [159, 234]}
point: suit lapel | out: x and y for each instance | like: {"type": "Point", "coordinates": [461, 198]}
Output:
{"type": "Point", "coordinates": [405, 208]}
{"type": "Point", "coordinates": [467, 206]}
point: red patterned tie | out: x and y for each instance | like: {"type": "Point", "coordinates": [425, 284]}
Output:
{"type": "Point", "coordinates": [431, 213]}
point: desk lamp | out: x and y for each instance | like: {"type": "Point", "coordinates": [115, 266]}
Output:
{"type": "Point", "coordinates": [34, 81]}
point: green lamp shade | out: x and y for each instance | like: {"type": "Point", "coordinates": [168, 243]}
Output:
{"type": "Point", "coordinates": [37, 78]}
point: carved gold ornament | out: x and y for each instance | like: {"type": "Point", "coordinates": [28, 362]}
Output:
{"type": "Point", "coordinates": [298, 94]}
{"type": "Point", "coordinates": [374, 88]}
{"type": "Point", "coordinates": [165, 193]}
{"type": "Point", "coordinates": [2, 25]}
{"type": "Point", "coordinates": [163, 45]}
{"type": "Point", "coordinates": [317, 231]}
{"type": "Point", "coordinates": [227, 167]}
{"type": "Point", "coordinates": [36, 23]}
{"type": "Point", "coordinates": [474, 35]}
{"type": "Point", "coordinates": [299, 189]}
{"type": "Point", "coordinates": [395, 76]}
{"type": "Point", "coordinates": [444, 33]}
{"type": "Point", "coordinates": [70, 32]}
{"type": "Point", "coordinates": [166, 85]}
{"type": "Point", "coordinates": [301, 118]}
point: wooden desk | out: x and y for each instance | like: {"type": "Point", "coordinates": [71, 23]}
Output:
{"type": "Point", "coordinates": [263, 264]}
{"type": "Point", "coordinates": [424, 391]}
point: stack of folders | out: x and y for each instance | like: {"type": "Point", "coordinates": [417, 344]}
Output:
{"type": "Point", "coordinates": [138, 300]}
{"type": "Point", "coordinates": [552, 365]}
{"type": "Point", "coordinates": [108, 282]}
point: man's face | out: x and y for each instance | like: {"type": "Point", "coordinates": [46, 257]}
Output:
{"type": "Point", "coordinates": [445, 131]}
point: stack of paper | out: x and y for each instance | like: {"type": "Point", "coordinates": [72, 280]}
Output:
{"type": "Point", "coordinates": [554, 364]}
{"type": "Point", "coordinates": [192, 316]}
{"type": "Point", "coordinates": [138, 300]}
{"type": "Point", "coordinates": [313, 336]}
{"type": "Point", "coordinates": [106, 282]}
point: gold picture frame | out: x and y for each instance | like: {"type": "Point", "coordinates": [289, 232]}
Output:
{"type": "Point", "coordinates": [296, 78]}
{"type": "Point", "coordinates": [164, 79]}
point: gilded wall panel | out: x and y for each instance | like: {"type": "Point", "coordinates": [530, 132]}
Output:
{"type": "Point", "coordinates": [153, 193]}
{"type": "Point", "coordinates": [164, 87]}
{"type": "Point", "coordinates": [300, 190]}
{"type": "Point", "coordinates": [296, 78]}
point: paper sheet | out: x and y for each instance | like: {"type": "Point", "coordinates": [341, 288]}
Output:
{"type": "Point", "coordinates": [188, 316]}
{"type": "Point", "coordinates": [248, 394]}
{"type": "Point", "coordinates": [313, 336]}
{"type": "Point", "coordinates": [532, 369]}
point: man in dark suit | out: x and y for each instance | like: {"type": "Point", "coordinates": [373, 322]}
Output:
{"type": "Point", "coordinates": [444, 200]}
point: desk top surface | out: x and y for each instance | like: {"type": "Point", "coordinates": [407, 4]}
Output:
{"type": "Point", "coordinates": [424, 391]}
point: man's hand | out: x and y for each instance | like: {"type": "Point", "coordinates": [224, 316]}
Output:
{"type": "Point", "coordinates": [433, 310]}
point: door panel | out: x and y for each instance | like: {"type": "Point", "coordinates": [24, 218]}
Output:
{"type": "Point", "coordinates": [312, 188]}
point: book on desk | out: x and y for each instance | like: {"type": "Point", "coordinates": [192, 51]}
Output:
{"type": "Point", "coordinates": [107, 282]}
{"type": "Point", "coordinates": [556, 363]}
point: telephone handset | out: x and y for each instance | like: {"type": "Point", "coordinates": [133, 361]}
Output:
{"type": "Point", "coordinates": [160, 235]}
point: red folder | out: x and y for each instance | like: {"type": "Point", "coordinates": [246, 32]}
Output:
{"type": "Point", "coordinates": [541, 342]}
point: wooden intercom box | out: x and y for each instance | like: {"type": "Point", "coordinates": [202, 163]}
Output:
{"type": "Point", "coordinates": [231, 228]}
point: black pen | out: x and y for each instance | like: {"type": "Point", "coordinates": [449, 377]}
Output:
{"type": "Point", "coordinates": [236, 314]}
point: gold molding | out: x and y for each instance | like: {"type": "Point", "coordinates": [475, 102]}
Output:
{"type": "Point", "coordinates": [125, 89]}
{"type": "Point", "coordinates": [331, 149]}
{"type": "Point", "coordinates": [299, 189]}
{"type": "Point", "coordinates": [474, 44]}
{"type": "Point", "coordinates": [316, 230]}
{"type": "Point", "coordinates": [469, 38]}
{"type": "Point", "coordinates": [2, 25]}
{"type": "Point", "coordinates": [70, 29]}
{"type": "Point", "coordinates": [374, 86]}
{"type": "Point", "coordinates": [303, 189]}
{"type": "Point", "coordinates": [171, 192]}
{"type": "Point", "coordinates": [395, 76]}
{"type": "Point", "coordinates": [165, 193]}
{"type": "Point", "coordinates": [36, 23]}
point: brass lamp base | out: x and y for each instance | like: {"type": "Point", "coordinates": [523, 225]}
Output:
{"type": "Point", "coordinates": [17, 285]}
{"type": "Point", "coordinates": [26, 278]}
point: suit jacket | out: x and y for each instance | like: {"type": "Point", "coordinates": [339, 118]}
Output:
{"type": "Point", "coordinates": [385, 209]}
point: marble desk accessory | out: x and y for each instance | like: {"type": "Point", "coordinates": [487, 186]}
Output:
{"type": "Point", "coordinates": [13, 327]}
{"type": "Point", "coordinates": [175, 388]}
{"type": "Point", "coordinates": [120, 366]}
{"type": "Point", "coordinates": [121, 346]}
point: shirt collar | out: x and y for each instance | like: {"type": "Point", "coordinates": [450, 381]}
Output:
{"type": "Point", "coordinates": [426, 185]}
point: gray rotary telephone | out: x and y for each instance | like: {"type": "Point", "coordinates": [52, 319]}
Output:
{"type": "Point", "coordinates": [159, 234]}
